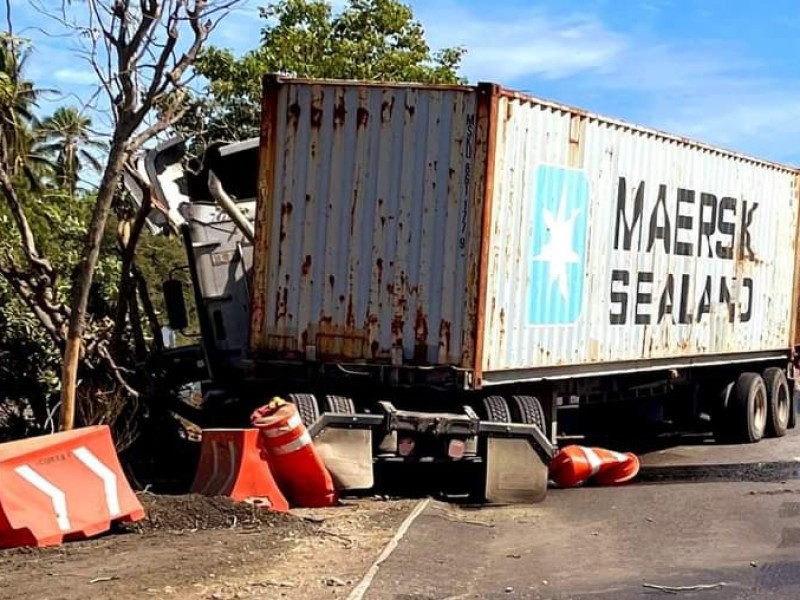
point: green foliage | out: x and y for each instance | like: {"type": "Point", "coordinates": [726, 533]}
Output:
{"type": "Point", "coordinates": [43, 162]}
{"type": "Point", "coordinates": [371, 40]}
{"type": "Point", "coordinates": [29, 370]}
{"type": "Point", "coordinates": [66, 138]}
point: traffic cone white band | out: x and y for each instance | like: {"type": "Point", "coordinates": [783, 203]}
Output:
{"type": "Point", "coordinates": [292, 423]}
{"type": "Point", "coordinates": [591, 457]}
{"type": "Point", "coordinates": [293, 446]}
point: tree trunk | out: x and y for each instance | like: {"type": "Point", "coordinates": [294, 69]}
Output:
{"type": "Point", "coordinates": [83, 282]}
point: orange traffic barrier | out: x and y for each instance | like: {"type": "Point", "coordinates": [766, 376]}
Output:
{"type": "Point", "coordinates": [575, 465]}
{"type": "Point", "coordinates": [297, 466]}
{"type": "Point", "coordinates": [62, 486]}
{"type": "Point", "coordinates": [231, 465]}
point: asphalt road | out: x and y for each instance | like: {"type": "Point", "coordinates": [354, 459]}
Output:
{"type": "Point", "coordinates": [606, 543]}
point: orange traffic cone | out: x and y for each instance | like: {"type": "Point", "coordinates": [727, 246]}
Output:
{"type": "Point", "coordinates": [620, 472]}
{"type": "Point", "coordinates": [574, 465]}
{"type": "Point", "coordinates": [290, 453]}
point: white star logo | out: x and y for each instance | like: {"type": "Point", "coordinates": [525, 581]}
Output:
{"type": "Point", "coordinates": [558, 252]}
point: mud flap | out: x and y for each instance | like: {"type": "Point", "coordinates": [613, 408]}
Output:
{"type": "Point", "coordinates": [347, 454]}
{"type": "Point", "coordinates": [515, 474]}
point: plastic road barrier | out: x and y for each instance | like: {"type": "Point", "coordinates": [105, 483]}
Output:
{"type": "Point", "coordinates": [231, 464]}
{"type": "Point", "coordinates": [62, 486]}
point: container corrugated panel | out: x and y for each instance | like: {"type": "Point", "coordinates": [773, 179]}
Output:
{"type": "Point", "coordinates": [366, 222]}
{"type": "Point", "coordinates": [612, 244]}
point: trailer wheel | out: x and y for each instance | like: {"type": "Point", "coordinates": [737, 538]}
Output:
{"type": "Point", "coordinates": [721, 421]}
{"type": "Point", "coordinates": [340, 404]}
{"type": "Point", "coordinates": [778, 402]}
{"type": "Point", "coordinates": [307, 407]}
{"type": "Point", "coordinates": [748, 409]}
{"type": "Point", "coordinates": [528, 411]}
{"type": "Point", "coordinates": [495, 408]}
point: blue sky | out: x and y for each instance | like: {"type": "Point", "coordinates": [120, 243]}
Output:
{"type": "Point", "coordinates": [725, 72]}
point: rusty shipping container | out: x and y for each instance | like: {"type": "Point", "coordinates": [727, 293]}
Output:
{"type": "Point", "coordinates": [509, 236]}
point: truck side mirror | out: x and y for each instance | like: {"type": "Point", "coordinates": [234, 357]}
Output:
{"type": "Point", "coordinates": [175, 304]}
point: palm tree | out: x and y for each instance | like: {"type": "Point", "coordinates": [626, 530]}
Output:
{"type": "Point", "coordinates": [66, 137]}
{"type": "Point", "coordinates": [17, 101]}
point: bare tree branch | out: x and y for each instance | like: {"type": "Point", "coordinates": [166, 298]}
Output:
{"type": "Point", "coordinates": [9, 22]}
{"type": "Point", "coordinates": [29, 246]}
{"type": "Point", "coordinates": [128, 249]}
{"type": "Point", "coordinates": [147, 307]}
{"type": "Point", "coordinates": [130, 33]}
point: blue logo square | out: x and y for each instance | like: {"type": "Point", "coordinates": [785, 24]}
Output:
{"type": "Point", "coordinates": [558, 246]}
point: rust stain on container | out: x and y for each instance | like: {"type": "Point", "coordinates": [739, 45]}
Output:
{"type": "Point", "coordinates": [577, 130]}
{"type": "Point", "coordinates": [444, 337]}
{"type": "Point", "coordinates": [421, 326]}
{"type": "Point", "coordinates": [339, 112]}
{"type": "Point", "coordinates": [362, 116]}
{"type": "Point", "coordinates": [294, 115]}
{"type": "Point", "coordinates": [487, 118]}
{"type": "Point", "coordinates": [387, 107]}
{"type": "Point", "coordinates": [351, 316]}
{"type": "Point", "coordinates": [270, 101]}
{"type": "Point", "coordinates": [398, 322]}
{"type": "Point", "coordinates": [316, 117]}
{"type": "Point", "coordinates": [305, 269]}
{"type": "Point", "coordinates": [353, 206]}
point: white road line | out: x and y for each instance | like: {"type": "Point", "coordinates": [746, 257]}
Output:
{"type": "Point", "coordinates": [363, 586]}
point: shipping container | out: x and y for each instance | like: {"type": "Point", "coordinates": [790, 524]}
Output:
{"type": "Point", "coordinates": [511, 237]}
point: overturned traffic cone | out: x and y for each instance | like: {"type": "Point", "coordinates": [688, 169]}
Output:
{"type": "Point", "coordinates": [65, 485]}
{"type": "Point", "coordinates": [298, 468]}
{"type": "Point", "coordinates": [620, 472]}
{"type": "Point", "coordinates": [575, 465]}
{"type": "Point", "coordinates": [230, 465]}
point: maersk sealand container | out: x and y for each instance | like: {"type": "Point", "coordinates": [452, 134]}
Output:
{"type": "Point", "coordinates": [516, 247]}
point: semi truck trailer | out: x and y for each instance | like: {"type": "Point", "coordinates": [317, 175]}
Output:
{"type": "Point", "coordinates": [460, 274]}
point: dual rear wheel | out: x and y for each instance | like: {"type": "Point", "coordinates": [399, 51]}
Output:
{"type": "Point", "coordinates": [310, 408]}
{"type": "Point", "coordinates": [754, 406]}
{"type": "Point", "coordinates": [526, 410]}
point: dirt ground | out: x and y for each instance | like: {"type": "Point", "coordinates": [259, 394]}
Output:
{"type": "Point", "coordinates": [191, 547]}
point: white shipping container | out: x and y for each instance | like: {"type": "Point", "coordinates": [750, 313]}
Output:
{"type": "Point", "coordinates": [517, 238]}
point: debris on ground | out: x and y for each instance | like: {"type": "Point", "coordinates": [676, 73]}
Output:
{"type": "Point", "coordinates": [193, 512]}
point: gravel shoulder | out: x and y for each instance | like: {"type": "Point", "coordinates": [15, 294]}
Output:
{"type": "Point", "coordinates": [193, 547]}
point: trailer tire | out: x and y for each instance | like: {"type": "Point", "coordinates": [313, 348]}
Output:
{"type": "Point", "coordinates": [779, 401]}
{"type": "Point", "coordinates": [528, 411]}
{"type": "Point", "coordinates": [720, 419]}
{"type": "Point", "coordinates": [495, 408]}
{"type": "Point", "coordinates": [307, 407]}
{"type": "Point", "coordinates": [748, 409]}
{"type": "Point", "coordinates": [340, 404]}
